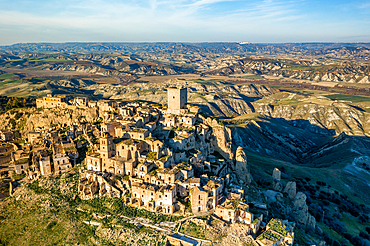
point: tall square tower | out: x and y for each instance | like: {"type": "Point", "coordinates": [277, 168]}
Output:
{"type": "Point", "coordinates": [177, 98]}
{"type": "Point", "coordinates": [106, 146]}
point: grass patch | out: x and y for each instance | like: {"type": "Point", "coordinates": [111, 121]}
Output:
{"type": "Point", "coordinates": [192, 229]}
{"type": "Point", "coordinates": [9, 82]}
{"type": "Point", "coordinates": [7, 76]}
{"type": "Point", "coordinates": [275, 86]}
{"type": "Point", "coordinates": [352, 98]}
{"type": "Point", "coordinates": [211, 82]}
{"type": "Point", "coordinates": [36, 225]}
{"type": "Point", "coordinates": [287, 102]}
{"type": "Point", "coordinates": [299, 67]}
{"type": "Point", "coordinates": [119, 208]}
{"type": "Point", "coordinates": [48, 60]}
{"type": "Point", "coordinates": [257, 77]}
{"type": "Point", "coordinates": [352, 224]}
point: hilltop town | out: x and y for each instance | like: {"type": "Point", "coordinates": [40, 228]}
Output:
{"type": "Point", "coordinates": [210, 143]}
{"type": "Point", "coordinates": [171, 160]}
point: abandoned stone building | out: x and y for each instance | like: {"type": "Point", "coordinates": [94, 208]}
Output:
{"type": "Point", "coordinates": [61, 163]}
{"type": "Point", "coordinates": [207, 197]}
{"type": "Point", "coordinates": [95, 184]}
{"type": "Point", "coordinates": [233, 212]}
{"type": "Point", "coordinates": [6, 150]}
{"type": "Point", "coordinates": [33, 137]}
{"type": "Point", "coordinates": [154, 198]}
{"type": "Point", "coordinates": [80, 102]}
{"type": "Point", "coordinates": [110, 127]}
{"type": "Point", "coordinates": [6, 135]}
{"type": "Point", "coordinates": [45, 165]}
{"type": "Point", "coordinates": [106, 105]}
{"type": "Point", "coordinates": [278, 232]}
{"type": "Point", "coordinates": [52, 101]}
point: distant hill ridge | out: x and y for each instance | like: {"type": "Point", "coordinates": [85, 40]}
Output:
{"type": "Point", "coordinates": [312, 49]}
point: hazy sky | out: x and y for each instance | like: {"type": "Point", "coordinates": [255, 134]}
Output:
{"type": "Point", "coordinates": [184, 20]}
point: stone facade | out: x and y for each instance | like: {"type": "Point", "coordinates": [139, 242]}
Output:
{"type": "Point", "coordinates": [199, 200]}
{"type": "Point", "coordinates": [45, 166]}
{"type": "Point", "coordinates": [155, 198]}
{"type": "Point", "coordinates": [93, 162]}
{"type": "Point", "coordinates": [56, 101]}
{"type": "Point", "coordinates": [177, 98]}
{"type": "Point", "coordinates": [233, 212]}
{"type": "Point", "coordinates": [61, 163]}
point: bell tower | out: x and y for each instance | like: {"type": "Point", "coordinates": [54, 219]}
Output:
{"type": "Point", "coordinates": [106, 146]}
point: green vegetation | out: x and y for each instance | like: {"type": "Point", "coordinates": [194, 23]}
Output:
{"type": "Point", "coordinates": [10, 82]}
{"type": "Point", "coordinates": [278, 226]}
{"type": "Point", "coordinates": [256, 77]}
{"type": "Point", "coordinates": [299, 237]}
{"type": "Point", "coordinates": [300, 67]}
{"type": "Point", "coordinates": [346, 216]}
{"type": "Point", "coordinates": [7, 103]}
{"type": "Point", "coordinates": [211, 82]}
{"type": "Point", "coordinates": [56, 216]}
{"type": "Point", "coordinates": [151, 155]}
{"type": "Point", "coordinates": [47, 60]}
{"type": "Point", "coordinates": [352, 98]}
{"type": "Point", "coordinates": [119, 208]}
{"type": "Point", "coordinates": [7, 76]}
{"type": "Point", "coordinates": [38, 224]}
{"type": "Point", "coordinates": [192, 229]}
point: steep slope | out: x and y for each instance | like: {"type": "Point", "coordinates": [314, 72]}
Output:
{"type": "Point", "coordinates": [277, 137]}
{"type": "Point", "coordinates": [275, 142]}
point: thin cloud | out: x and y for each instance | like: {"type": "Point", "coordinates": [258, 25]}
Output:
{"type": "Point", "coordinates": [166, 20]}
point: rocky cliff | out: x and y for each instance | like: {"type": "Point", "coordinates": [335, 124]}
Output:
{"type": "Point", "coordinates": [27, 120]}
{"type": "Point", "coordinates": [222, 141]}
{"type": "Point", "coordinates": [241, 167]}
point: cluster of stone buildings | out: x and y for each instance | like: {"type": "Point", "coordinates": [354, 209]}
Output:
{"type": "Point", "coordinates": [43, 153]}
{"type": "Point", "coordinates": [162, 159]}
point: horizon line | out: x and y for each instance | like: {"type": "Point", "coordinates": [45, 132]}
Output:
{"type": "Point", "coordinates": [182, 42]}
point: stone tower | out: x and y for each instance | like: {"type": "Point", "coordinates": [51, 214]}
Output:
{"type": "Point", "coordinates": [106, 146]}
{"type": "Point", "coordinates": [177, 98]}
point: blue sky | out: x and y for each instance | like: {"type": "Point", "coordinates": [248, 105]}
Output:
{"type": "Point", "coordinates": [184, 20]}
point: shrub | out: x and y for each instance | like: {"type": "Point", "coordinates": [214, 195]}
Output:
{"type": "Point", "coordinates": [18, 115]}
{"type": "Point", "coordinates": [364, 235]}
{"type": "Point", "coordinates": [51, 225]}
{"type": "Point", "coordinates": [12, 123]}
{"type": "Point", "coordinates": [363, 218]}
{"type": "Point", "coordinates": [335, 243]}
{"type": "Point", "coordinates": [367, 229]}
